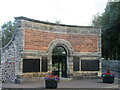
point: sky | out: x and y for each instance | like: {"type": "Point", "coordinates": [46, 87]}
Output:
{"type": "Point", "coordinates": [70, 12]}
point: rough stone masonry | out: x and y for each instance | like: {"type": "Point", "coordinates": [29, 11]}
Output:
{"type": "Point", "coordinates": [30, 53]}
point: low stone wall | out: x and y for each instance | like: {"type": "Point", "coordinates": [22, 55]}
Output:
{"type": "Point", "coordinates": [30, 77]}
{"type": "Point", "coordinates": [10, 58]}
{"type": "Point", "coordinates": [88, 75]}
{"type": "Point", "coordinates": [8, 65]}
{"type": "Point", "coordinates": [111, 64]}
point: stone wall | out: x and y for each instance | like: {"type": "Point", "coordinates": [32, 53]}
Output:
{"type": "Point", "coordinates": [84, 40]}
{"type": "Point", "coordinates": [8, 71]}
{"type": "Point", "coordinates": [39, 35]}
{"type": "Point", "coordinates": [11, 58]}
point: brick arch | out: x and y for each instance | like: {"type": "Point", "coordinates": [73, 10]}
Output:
{"type": "Point", "coordinates": [60, 42]}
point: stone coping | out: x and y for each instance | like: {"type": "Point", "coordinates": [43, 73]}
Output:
{"type": "Point", "coordinates": [37, 21]}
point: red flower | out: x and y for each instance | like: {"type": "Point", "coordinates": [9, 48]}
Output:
{"type": "Point", "coordinates": [107, 73]}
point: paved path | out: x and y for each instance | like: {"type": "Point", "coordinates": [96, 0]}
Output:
{"type": "Point", "coordinates": [88, 83]}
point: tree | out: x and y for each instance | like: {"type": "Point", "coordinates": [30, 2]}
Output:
{"type": "Point", "coordinates": [110, 22]}
{"type": "Point", "coordinates": [7, 32]}
{"type": "Point", "coordinates": [57, 21]}
{"type": "Point", "coordinates": [97, 19]}
{"type": "Point", "coordinates": [0, 45]}
{"type": "Point", "coordinates": [0, 39]}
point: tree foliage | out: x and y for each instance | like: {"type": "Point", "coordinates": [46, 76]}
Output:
{"type": "Point", "coordinates": [0, 45]}
{"type": "Point", "coordinates": [57, 21]}
{"type": "Point", "coordinates": [7, 32]}
{"type": "Point", "coordinates": [59, 51]}
{"type": "Point", "coordinates": [110, 22]}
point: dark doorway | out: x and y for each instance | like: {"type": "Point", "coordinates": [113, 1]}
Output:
{"type": "Point", "coordinates": [59, 61]}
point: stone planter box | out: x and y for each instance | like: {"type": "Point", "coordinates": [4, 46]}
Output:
{"type": "Point", "coordinates": [51, 84]}
{"type": "Point", "coordinates": [109, 79]}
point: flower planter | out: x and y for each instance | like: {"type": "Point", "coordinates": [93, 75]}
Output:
{"type": "Point", "coordinates": [108, 79]}
{"type": "Point", "coordinates": [51, 84]}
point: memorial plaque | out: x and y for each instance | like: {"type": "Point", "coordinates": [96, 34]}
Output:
{"type": "Point", "coordinates": [89, 65]}
{"type": "Point", "coordinates": [31, 65]}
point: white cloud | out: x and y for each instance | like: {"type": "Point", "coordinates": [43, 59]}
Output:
{"type": "Point", "coordinates": [75, 12]}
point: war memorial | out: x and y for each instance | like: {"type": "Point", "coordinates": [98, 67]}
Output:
{"type": "Point", "coordinates": [38, 48]}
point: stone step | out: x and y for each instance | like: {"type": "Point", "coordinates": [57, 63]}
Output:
{"type": "Point", "coordinates": [66, 79]}
{"type": "Point", "coordinates": [42, 78]}
{"type": "Point", "coordinates": [86, 77]}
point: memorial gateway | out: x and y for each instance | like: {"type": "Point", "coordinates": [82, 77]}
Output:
{"type": "Point", "coordinates": [38, 48]}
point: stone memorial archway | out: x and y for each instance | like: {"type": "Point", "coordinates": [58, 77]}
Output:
{"type": "Point", "coordinates": [35, 42]}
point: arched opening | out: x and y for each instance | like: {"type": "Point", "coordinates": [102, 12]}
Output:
{"type": "Point", "coordinates": [59, 61]}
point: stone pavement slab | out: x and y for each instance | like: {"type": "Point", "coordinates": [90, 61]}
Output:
{"type": "Point", "coordinates": [87, 83]}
